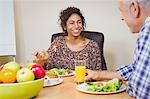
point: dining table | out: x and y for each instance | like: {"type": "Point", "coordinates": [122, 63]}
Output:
{"type": "Point", "coordinates": [67, 90]}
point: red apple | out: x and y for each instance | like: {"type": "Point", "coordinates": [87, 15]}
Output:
{"type": "Point", "coordinates": [38, 71]}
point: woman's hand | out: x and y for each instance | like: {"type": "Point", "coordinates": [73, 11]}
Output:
{"type": "Point", "coordinates": [41, 57]}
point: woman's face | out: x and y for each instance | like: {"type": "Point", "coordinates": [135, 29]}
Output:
{"type": "Point", "coordinates": [74, 25]}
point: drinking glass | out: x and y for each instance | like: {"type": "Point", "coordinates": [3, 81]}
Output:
{"type": "Point", "coordinates": [80, 71]}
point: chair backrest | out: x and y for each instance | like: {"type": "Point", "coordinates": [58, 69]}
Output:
{"type": "Point", "coordinates": [96, 36]}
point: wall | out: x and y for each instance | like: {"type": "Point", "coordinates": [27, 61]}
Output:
{"type": "Point", "coordinates": [7, 32]}
{"type": "Point", "coordinates": [37, 20]}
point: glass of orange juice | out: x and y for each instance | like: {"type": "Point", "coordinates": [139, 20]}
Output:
{"type": "Point", "coordinates": [80, 71]}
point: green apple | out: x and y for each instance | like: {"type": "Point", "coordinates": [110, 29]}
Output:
{"type": "Point", "coordinates": [25, 74]}
{"type": "Point", "coordinates": [12, 66]}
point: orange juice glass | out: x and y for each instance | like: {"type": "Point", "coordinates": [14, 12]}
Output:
{"type": "Point", "coordinates": [80, 71]}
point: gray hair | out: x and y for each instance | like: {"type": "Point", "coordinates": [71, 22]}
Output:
{"type": "Point", "coordinates": [145, 3]}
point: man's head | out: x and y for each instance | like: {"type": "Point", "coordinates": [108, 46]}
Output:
{"type": "Point", "coordinates": [134, 13]}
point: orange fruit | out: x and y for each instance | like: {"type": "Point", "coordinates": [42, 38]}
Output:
{"type": "Point", "coordinates": [7, 76]}
{"type": "Point", "coordinates": [30, 65]}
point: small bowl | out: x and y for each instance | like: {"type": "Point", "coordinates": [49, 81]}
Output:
{"type": "Point", "coordinates": [22, 90]}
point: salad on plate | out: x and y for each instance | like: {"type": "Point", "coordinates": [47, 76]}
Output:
{"type": "Point", "coordinates": [61, 72]}
{"type": "Point", "coordinates": [104, 87]}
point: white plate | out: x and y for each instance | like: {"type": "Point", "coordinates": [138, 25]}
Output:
{"type": "Point", "coordinates": [66, 75]}
{"type": "Point", "coordinates": [52, 81]}
{"type": "Point", "coordinates": [83, 88]}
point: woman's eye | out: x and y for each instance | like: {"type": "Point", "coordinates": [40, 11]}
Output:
{"type": "Point", "coordinates": [79, 22]}
{"type": "Point", "coordinates": [71, 23]}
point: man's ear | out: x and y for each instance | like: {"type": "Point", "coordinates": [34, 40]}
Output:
{"type": "Point", "coordinates": [135, 9]}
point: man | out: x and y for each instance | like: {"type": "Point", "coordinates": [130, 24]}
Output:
{"type": "Point", "coordinates": [136, 13]}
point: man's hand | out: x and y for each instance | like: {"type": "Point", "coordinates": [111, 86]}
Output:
{"type": "Point", "coordinates": [92, 75]}
{"type": "Point", "coordinates": [101, 75]}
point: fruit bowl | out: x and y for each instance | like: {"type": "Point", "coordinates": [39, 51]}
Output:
{"type": "Point", "coordinates": [22, 90]}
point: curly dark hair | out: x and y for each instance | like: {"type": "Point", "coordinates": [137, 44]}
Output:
{"type": "Point", "coordinates": [66, 13]}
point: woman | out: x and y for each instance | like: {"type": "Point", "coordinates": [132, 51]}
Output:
{"type": "Point", "coordinates": [64, 50]}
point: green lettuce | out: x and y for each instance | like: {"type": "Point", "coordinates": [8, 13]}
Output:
{"type": "Point", "coordinates": [110, 86]}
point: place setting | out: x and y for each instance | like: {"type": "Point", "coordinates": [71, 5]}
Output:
{"type": "Point", "coordinates": [54, 76]}
{"type": "Point", "coordinates": [52, 81]}
{"type": "Point", "coordinates": [102, 87]}
{"type": "Point", "coordinates": [99, 87]}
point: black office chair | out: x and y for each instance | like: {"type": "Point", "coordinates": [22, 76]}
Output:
{"type": "Point", "coordinates": [96, 36]}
